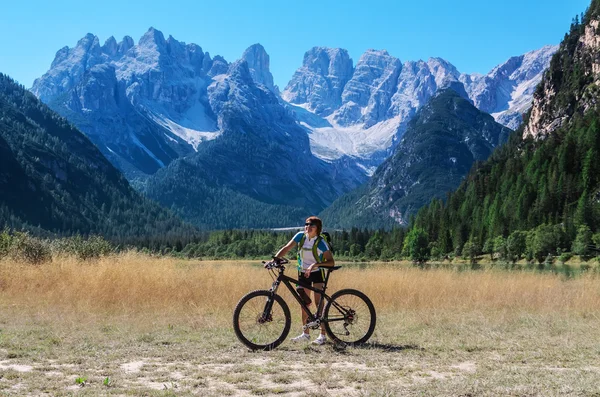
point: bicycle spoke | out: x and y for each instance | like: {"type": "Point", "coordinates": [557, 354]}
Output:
{"type": "Point", "coordinates": [253, 325]}
{"type": "Point", "coordinates": [350, 318]}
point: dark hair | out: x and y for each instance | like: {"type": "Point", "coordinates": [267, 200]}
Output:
{"type": "Point", "coordinates": [317, 221]}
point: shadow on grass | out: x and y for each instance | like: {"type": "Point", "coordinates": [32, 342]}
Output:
{"type": "Point", "coordinates": [385, 347]}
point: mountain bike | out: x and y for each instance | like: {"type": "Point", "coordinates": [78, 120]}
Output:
{"type": "Point", "coordinates": [262, 320]}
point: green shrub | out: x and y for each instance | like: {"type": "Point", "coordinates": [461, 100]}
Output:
{"type": "Point", "coordinates": [91, 248]}
{"type": "Point", "coordinates": [516, 244]}
{"type": "Point", "coordinates": [26, 248]}
{"type": "Point", "coordinates": [416, 245]}
{"type": "Point", "coordinates": [583, 241]}
{"type": "Point", "coordinates": [471, 249]}
{"type": "Point", "coordinates": [5, 243]}
{"type": "Point", "coordinates": [564, 257]}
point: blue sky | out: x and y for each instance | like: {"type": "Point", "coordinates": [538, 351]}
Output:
{"type": "Point", "coordinates": [474, 35]}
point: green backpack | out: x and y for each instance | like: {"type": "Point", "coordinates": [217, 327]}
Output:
{"type": "Point", "coordinates": [323, 236]}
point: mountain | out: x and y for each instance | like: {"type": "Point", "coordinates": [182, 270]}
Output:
{"type": "Point", "coordinates": [143, 105]}
{"type": "Point", "coordinates": [223, 126]}
{"type": "Point", "coordinates": [53, 178]}
{"type": "Point", "coordinates": [146, 104]}
{"type": "Point", "coordinates": [506, 92]}
{"type": "Point", "coordinates": [362, 111]}
{"type": "Point", "coordinates": [161, 109]}
{"type": "Point", "coordinates": [546, 180]}
{"type": "Point", "coordinates": [259, 173]}
{"type": "Point", "coordinates": [438, 149]}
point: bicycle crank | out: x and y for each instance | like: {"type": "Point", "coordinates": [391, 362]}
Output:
{"type": "Point", "coordinates": [312, 325]}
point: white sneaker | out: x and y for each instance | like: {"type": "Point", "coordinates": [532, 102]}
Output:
{"type": "Point", "coordinates": [321, 340]}
{"type": "Point", "coordinates": [301, 338]}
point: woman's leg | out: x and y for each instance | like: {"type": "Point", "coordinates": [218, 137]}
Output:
{"type": "Point", "coordinates": [304, 296]}
{"type": "Point", "coordinates": [317, 300]}
{"type": "Point", "coordinates": [305, 320]}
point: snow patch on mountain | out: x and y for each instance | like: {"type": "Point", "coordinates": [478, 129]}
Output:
{"type": "Point", "coordinates": [331, 143]}
{"type": "Point", "coordinates": [137, 142]}
{"type": "Point", "coordinates": [369, 107]}
{"type": "Point", "coordinates": [192, 136]}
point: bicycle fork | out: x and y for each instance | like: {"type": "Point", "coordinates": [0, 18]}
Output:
{"type": "Point", "coordinates": [266, 314]}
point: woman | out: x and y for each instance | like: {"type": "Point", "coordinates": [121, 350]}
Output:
{"type": "Point", "coordinates": [309, 272]}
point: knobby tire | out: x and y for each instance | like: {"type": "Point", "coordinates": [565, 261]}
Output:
{"type": "Point", "coordinates": [250, 326]}
{"type": "Point", "coordinates": [360, 323]}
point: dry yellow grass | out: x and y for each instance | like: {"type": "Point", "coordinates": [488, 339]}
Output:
{"type": "Point", "coordinates": [133, 283]}
{"type": "Point", "coordinates": [162, 326]}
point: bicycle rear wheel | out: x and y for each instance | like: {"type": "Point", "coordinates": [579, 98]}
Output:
{"type": "Point", "coordinates": [261, 321]}
{"type": "Point", "coordinates": [350, 317]}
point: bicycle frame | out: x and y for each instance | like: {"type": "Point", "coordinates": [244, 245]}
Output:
{"type": "Point", "coordinates": [315, 319]}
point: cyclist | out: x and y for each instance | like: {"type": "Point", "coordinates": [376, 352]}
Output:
{"type": "Point", "coordinates": [310, 258]}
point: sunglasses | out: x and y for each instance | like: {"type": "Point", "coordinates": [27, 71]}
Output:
{"type": "Point", "coordinates": [309, 224]}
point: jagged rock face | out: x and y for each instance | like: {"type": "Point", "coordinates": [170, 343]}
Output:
{"type": "Point", "coordinates": [262, 153]}
{"type": "Point", "coordinates": [552, 108]}
{"type": "Point", "coordinates": [439, 147]}
{"type": "Point", "coordinates": [143, 105]}
{"type": "Point", "coordinates": [506, 92]}
{"type": "Point", "coordinates": [69, 66]}
{"type": "Point", "coordinates": [258, 62]}
{"type": "Point", "coordinates": [320, 81]}
{"type": "Point", "coordinates": [375, 106]}
{"type": "Point", "coordinates": [416, 84]}
{"type": "Point", "coordinates": [371, 87]}
{"type": "Point", "coordinates": [382, 95]}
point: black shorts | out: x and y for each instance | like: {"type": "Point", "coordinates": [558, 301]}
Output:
{"type": "Point", "coordinates": [315, 277]}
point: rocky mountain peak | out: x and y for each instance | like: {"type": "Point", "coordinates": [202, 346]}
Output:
{"type": "Point", "coordinates": [68, 66]}
{"type": "Point", "coordinates": [176, 49]}
{"type": "Point", "coordinates": [371, 87]}
{"type": "Point", "coordinates": [443, 71]}
{"type": "Point", "coordinates": [151, 38]}
{"type": "Point", "coordinates": [258, 62]}
{"type": "Point", "coordinates": [327, 61]}
{"type": "Point", "coordinates": [218, 66]}
{"type": "Point", "coordinates": [110, 46]}
{"type": "Point", "coordinates": [87, 41]}
{"type": "Point", "coordinates": [320, 81]}
{"type": "Point", "coordinates": [240, 71]}
{"type": "Point", "coordinates": [60, 56]}
{"type": "Point", "coordinates": [125, 45]}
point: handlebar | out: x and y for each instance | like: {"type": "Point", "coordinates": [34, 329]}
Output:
{"type": "Point", "coordinates": [275, 262]}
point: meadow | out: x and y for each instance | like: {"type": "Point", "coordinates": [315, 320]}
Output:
{"type": "Point", "coordinates": [132, 324]}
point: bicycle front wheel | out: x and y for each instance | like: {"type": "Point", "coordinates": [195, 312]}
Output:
{"type": "Point", "coordinates": [261, 320]}
{"type": "Point", "coordinates": [350, 317]}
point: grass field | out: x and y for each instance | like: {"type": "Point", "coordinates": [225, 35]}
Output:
{"type": "Point", "coordinates": [137, 325]}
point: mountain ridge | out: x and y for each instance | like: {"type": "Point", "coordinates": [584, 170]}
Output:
{"type": "Point", "coordinates": [54, 179]}
{"type": "Point", "coordinates": [439, 147]}
{"type": "Point", "coordinates": [538, 194]}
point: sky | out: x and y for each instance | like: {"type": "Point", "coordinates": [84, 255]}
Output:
{"type": "Point", "coordinates": [474, 35]}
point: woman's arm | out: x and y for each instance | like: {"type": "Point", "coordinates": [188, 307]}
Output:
{"type": "Point", "coordinates": [285, 249]}
{"type": "Point", "coordinates": [328, 260]}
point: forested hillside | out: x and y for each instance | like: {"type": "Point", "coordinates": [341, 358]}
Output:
{"type": "Point", "coordinates": [542, 189]}
{"type": "Point", "coordinates": [438, 149]}
{"type": "Point", "coordinates": [54, 180]}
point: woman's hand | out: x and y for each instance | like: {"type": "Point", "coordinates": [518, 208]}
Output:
{"type": "Point", "coordinates": [310, 269]}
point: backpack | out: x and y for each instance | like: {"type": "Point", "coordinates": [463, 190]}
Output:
{"type": "Point", "coordinates": [327, 237]}
{"type": "Point", "coordinates": [323, 236]}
